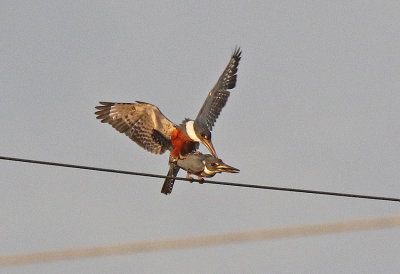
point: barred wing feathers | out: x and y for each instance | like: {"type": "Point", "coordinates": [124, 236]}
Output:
{"type": "Point", "coordinates": [218, 96]}
{"type": "Point", "coordinates": [137, 121]}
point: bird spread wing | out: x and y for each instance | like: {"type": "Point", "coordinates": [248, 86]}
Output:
{"type": "Point", "coordinates": [218, 96]}
{"type": "Point", "coordinates": [137, 121]}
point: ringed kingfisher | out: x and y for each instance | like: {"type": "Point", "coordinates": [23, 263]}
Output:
{"type": "Point", "coordinates": [203, 165]}
{"type": "Point", "coordinates": [145, 124]}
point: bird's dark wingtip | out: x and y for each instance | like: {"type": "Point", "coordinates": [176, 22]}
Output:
{"type": "Point", "coordinates": [237, 52]}
{"type": "Point", "coordinates": [105, 103]}
{"type": "Point", "coordinates": [103, 110]}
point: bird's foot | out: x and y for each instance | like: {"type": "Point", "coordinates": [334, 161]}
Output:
{"type": "Point", "coordinates": [201, 180]}
{"type": "Point", "coordinates": [189, 177]}
{"type": "Point", "coordinates": [173, 159]}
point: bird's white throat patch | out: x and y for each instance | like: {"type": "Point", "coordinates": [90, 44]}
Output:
{"type": "Point", "coordinates": [206, 170]}
{"type": "Point", "coordinates": [190, 131]}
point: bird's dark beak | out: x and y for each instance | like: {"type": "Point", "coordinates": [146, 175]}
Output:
{"type": "Point", "coordinates": [222, 167]}
{"type": "Point", "coordinates": [210, 147]}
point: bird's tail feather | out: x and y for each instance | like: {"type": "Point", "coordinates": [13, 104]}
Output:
{"type": "Point", "coordinates": [169, 183]}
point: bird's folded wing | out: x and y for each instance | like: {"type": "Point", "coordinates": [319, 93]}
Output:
{"type": "Point", "coordinates": [137, 121]}
{"type": "Point", "coordinates": [218, 96]}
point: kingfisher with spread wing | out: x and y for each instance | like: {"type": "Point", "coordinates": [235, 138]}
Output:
{"type": "Point", "coordinates": [149, 128]}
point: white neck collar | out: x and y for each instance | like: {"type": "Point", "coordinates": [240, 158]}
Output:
{"type": "Point", "coordinates": [207, 171]}
{"type": "Point", "coordinates": [190, 131]}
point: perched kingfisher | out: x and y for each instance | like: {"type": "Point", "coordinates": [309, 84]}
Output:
{"type": "Point", "coordinates": [204, 165]}
{"type": "Point", "coordinates": [144, 123]}
{"type": "Point", "coordinates": [201, 165]}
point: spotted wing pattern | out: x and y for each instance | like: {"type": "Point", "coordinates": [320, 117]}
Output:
{"type": "Point", "coordinates": [218, 96]}
{"type": "Point", "coordinates": [137, 121]}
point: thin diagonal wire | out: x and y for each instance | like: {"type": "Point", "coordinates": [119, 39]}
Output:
{"type": "Point", "coordinates": [198, 241]}
{"type": "Point", "coordinates": [205, 181]}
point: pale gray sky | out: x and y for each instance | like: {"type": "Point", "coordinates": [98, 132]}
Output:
{"type": "Point", "coordinates": [316, 106]}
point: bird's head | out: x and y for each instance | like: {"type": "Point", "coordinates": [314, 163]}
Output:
{"type": "Point", "coordinates": [204, 134]}
{"type": "Point", "coordinates": [199, 132]}
{"type": "Point", "coordinates": [214, 165]}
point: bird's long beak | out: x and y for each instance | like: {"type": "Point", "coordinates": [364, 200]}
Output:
{"type": "Point", "coordinates": [210, 147]}
{"type": "Point", "coordinates": [222, 167]}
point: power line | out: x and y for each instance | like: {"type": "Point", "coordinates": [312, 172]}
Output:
{"type": "Point", "coordinates": [205, 181]}
{"type": "Point", "coordinates": [206, 240]}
